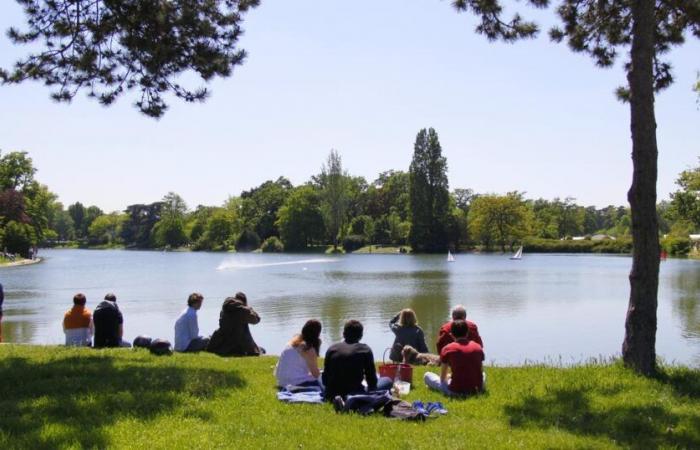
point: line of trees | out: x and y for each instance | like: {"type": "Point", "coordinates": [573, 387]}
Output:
{"type": "Point", "coordinates": [413, 208]}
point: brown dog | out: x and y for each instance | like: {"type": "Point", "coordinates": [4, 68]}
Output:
{"type": "Point", "coordinates": [412, 356]}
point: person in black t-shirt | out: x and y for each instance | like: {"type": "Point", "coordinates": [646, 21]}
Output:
{"type": "Point", "coordinates": [109, 324]}
{"type": "Point", "coordinates": [348, 363]}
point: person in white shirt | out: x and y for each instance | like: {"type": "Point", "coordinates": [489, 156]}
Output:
{"type": "Point", "coordinates": [298, 363]}
{"type": "Point", "coordinates": [187, 338]}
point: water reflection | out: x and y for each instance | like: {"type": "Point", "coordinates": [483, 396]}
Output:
{"type": "Point", "coordinates": [686, 304]}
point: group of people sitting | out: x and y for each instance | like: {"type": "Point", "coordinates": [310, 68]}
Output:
{"type": "Point", "coordinates": [349, 366]}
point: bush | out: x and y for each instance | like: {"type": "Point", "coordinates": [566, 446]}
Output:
{"type": "Point", "coordinates": [676, 245]}
{"type": "Point", "coordinates": [272, 245]}
{"type": "Point", "coordinates": [18, 238]}
{"type": "Point", "coordinates": [247, 241]}
{"type": "Point", "coordinates": [537, 245]}
{"type": "Point", "coordinates": [353, 242]}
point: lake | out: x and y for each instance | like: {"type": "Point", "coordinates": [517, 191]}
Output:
{"type": "Point", "coordinates": [560, 309]}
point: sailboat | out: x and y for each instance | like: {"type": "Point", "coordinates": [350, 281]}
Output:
{"type": "Point", "coordinates": [450, 256]}
{"type": "Point", "coordinates": [518, 254]}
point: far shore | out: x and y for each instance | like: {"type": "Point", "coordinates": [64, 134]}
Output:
{"type": "Point", "coordinates": [22, 262]}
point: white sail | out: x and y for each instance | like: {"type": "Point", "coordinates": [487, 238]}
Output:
{"type": "Point", "coordinates": [450, 256]}
{"type": "Point", "coordinates": [518, 254]}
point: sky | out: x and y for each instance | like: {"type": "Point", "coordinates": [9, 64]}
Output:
{"type": "Point", "coordinates": [363, 78]}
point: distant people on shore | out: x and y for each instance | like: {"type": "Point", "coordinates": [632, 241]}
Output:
{"type": "Point", "coordinates": [109, 324]}
{"type": "Point", "coordinates": [187, 338]}
{"type": "Point", "coordinates": [77, 323]}
{"type": "Point", "coordinates": [461, 364]}
{"type": "Point", "coordinates": [2, 300]}
{"type": "Point", "coordinates": [407, 332]}
{"type": "Point", "coordinates": [298, 362]}
{"type": "Point", "coordinates": [350, 362]}
{"type": "Point", "coordinates": [445, 334]}
{"type": "Point", "coordinates": [233, 337]}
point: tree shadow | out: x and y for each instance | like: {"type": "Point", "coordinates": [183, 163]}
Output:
{"type": "Point", "coordinates": [684, 381]}
{"type": "Point", "coordinates": [650, 425]}
{"type": "Point", "coordinates": [71, 402]}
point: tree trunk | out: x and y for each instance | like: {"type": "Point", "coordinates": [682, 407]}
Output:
{"type": "Point", "coordinates": [638, 348]}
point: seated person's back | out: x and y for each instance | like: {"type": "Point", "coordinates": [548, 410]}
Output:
{"type": "Point", "coordinates": [108, 323]}
{"type": "Point", "coordinates": [298, 362]}
{"type": "Point", "coordinates": [445, 336]}
{"type": "Point", "coordinates": [233, 337]}
{"type": "Point", "coordinates": [77, 323]}
{"type": "Point", "coordinates": [464, 357]}
{"type": "Point", "coordinates": [347, 363]}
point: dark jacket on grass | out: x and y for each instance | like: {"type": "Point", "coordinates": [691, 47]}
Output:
{"type": "Point", "coordinates": [345, 366]}
{"type": "Point", "coordinates": [233, 337]}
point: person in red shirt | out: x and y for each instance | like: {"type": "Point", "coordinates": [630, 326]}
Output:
{"type": "Point", "coordinates": [461, 364]}
{"type": "Point", "coordinates": [445, 335]}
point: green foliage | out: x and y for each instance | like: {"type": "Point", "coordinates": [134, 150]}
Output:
{"type": "Point", "coordinates": [685, 202]}
{"type": "Point", "coordinates": [260, 205]}
{"type": "Point", "coordinates": [362, 226]}
{"type": "Point", "coordinates": [132, 399]}
{"type": "Point", "coordinates": [273, 244]}
{"type": "Point", "coordinates": [354, 242]}
{"type": "Point", "coordinates": [499, 220]}
{"type": "Point", "coordinates": [429, 194]}
{"type": "Point", "coordinates": [169, 232]}
{"type": "Point", "coordinates": [557, 219]}
{"type": "Point", "coordinates": [300, 220]}
{"type": "Point", "coordinates": [16, 171]}
{"type": "Point", "coordinates": [539, 245]}
{"type": "Point", "coordinates": [107, 48]}
{"type": "Point", "coordinates": [676, 245]}
{"type": "Point", "coordinates": [106, 229]}
{"type": "Point", "coordinates": [334, 188]}
{"type": "Point", "coordinates": [247, 241]}
{"type": "Point", "coordinates": [18, 238]}
{"type": "Point", "coordinates": [136, 230]}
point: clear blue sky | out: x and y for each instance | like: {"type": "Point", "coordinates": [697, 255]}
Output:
{"type": "Point", "coordinates": [361, 77]}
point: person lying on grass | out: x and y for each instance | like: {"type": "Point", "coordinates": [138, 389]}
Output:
{"type": "Point", "coordinates": [298, 362]}
{"type": "Point", "coordinates": [461, 365]}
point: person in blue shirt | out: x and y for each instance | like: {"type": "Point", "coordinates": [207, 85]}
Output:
{"type": "Point", "coordinates": [187, 338]}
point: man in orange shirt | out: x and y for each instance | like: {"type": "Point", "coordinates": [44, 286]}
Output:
{"type": "Point", "coordinates": [77, 323]}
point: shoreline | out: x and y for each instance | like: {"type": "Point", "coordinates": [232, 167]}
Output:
{"type": "Point", "coordinates": [24, 262]}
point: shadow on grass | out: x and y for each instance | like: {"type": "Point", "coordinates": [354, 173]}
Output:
{"type": "Point", "coordinates": [650, 425]}
{"type": "Point", "coordinates": [684, 381]}
{"type": "Point", "coordinates": [71, 402]}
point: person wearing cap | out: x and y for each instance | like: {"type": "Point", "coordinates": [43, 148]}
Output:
{"type": "Point", "coordinates": [233, 337]}
{"type": "Point", "coordinates": [77, 323]}
{"type": "Point", "coordinates": [187, 338]}
{"type": "Point", "coordinates": [445, 335]}
{"type": "Point", "coordinates": [109, 324]}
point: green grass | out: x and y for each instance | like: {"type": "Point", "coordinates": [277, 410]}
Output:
{"type": "Point", "coordinates": [383, 250]}
{"type": "Point", "coordinates": [54, 397]}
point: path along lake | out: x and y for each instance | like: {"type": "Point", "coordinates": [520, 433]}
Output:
{"type": "Point", "coordinates": [552, 308]}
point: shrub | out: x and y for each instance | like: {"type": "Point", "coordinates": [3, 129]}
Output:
{"type": "Point", "coordinates": [676, 245]}
{"type": "Point", "coordinates": [18, 238]}
{"type": "Point", "coordinates": [353, 242]}
{"type": "Point", "coordinates": [247, 241]}
{"type": "Point", "coordinates": [272, 245]}
{"type": "Point", "coordinates": [537, 245]}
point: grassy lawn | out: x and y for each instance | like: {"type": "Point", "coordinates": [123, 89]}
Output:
{"type": "Point", "coordinates": [383, 249]}
{"type": "Point", "coordinates": [53, 397]}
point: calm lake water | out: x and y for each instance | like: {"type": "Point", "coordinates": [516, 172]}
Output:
{"type": "Point", "coordinates": [553, 308]}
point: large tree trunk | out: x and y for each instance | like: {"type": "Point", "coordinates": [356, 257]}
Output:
{"type": "Point", "coordinates": [638, 348]}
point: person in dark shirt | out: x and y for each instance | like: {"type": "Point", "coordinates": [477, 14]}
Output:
{"type": "Point", "coordinates": [109, 324]}
{"type": "Point", "coordinates": [233, 337]}
{"type": "Point", "coordinates": [349, 362]}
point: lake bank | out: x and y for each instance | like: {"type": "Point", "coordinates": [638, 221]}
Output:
{"type": "Point", "coordinates": [22, 262]}
{"type": "Point", "coordinates": [132, 399]}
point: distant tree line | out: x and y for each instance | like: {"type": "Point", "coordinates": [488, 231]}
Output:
{"type": "Point", "coordinates": [337, 210]}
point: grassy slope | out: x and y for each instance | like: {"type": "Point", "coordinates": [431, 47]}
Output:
{"type": "Point", "coordinates": [53, 397]}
